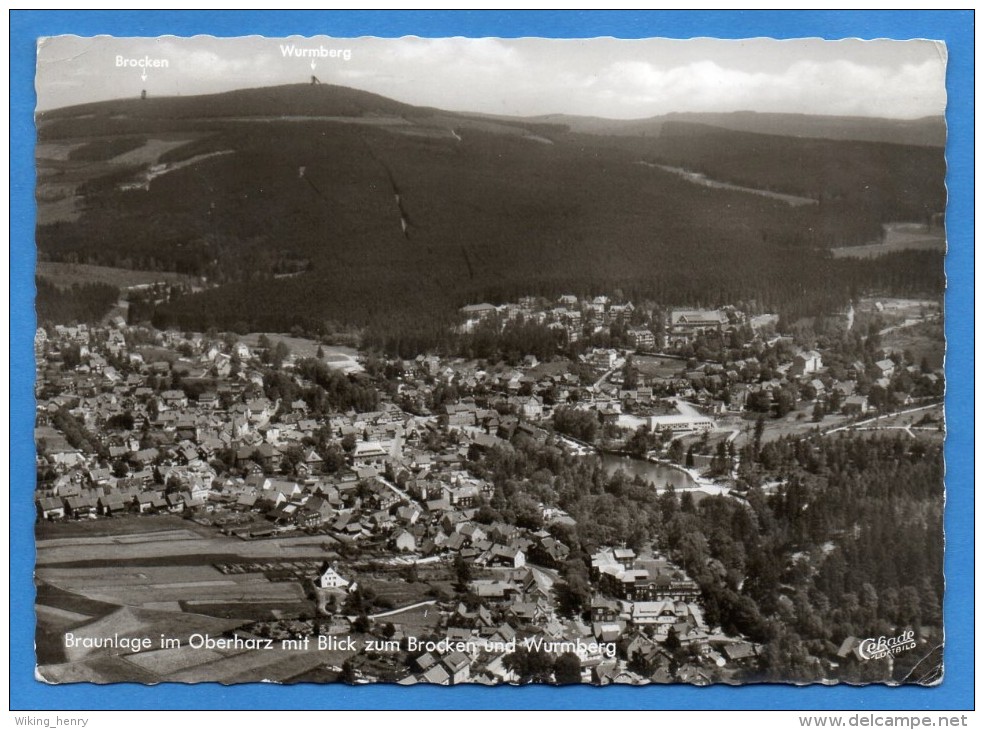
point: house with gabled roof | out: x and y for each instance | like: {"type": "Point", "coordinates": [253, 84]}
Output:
{"type": "Point", "coordinates": [404, 541]}
{"type": "Point", "coordinates": [458, 667]}
{"type": "Point", "coordinates": [885, 368]}
{"type": "Point", "coordinates": [437, 674]}
{"type": "Point", "coordinates": [81, 505]}
{"type": "Point", "coordinates": [328, 577]}
{"type": "Point", "coordinates": [527, 611]}
{"type": "Point", "coordinates": [111, 503]}
{"type": "Point", "coordinates": [50, 508]}
{"type": "Point", "coordinates": [806, 363]}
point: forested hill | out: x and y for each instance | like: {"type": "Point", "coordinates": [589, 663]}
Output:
{"type": "Point", "coordinates": [307, 204]}
{"type": "Point", "coordinates": [290, 100]}
{"type": "Point", "coordinates": [925, 131]}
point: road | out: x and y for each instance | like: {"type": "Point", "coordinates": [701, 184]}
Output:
{"type": "Point", "coordinates": [403, 609]}
{"type": "Point", "coordinates": [687, 409]}
{"type": "Point", "coordinates": [399, 492]}
{"type": "Point", "coordinates": [855, 425]}
{"type": "Point", "coordinates": [903, 325]}
{"type": "Point", "coordinates": [607, 373]}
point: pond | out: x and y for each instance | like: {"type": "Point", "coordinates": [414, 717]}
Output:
{"type": "Point", "coordinates": [659, 475]}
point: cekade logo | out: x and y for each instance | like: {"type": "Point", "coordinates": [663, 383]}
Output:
{"type": "Point", "coordinates": [884, 646]}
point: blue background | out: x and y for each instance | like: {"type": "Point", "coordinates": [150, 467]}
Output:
{"type": "Point", "coordinates": [953, 27]}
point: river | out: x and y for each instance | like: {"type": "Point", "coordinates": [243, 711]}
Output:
{"type": "Point", "coordinates": [658, 475]}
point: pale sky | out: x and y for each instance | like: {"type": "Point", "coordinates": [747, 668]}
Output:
{"type": "Point", "coordinates": [604, 77]}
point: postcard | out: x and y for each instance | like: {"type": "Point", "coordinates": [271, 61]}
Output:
{"type": "Point", "coordinates": [498, 361]}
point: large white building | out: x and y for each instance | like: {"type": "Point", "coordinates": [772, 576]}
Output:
{"type": "Point", "coordinates": [681, 423]}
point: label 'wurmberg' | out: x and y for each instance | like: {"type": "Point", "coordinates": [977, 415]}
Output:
{"type": "Point", "coordinates": [289, 50]}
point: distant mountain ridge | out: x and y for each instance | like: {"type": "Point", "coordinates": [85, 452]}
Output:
{"type": "Point", "coordinates": [316, 100]}
{"type": "Point", "coordinates": [329, 100]}
{"type": "Point", "coordinates": [923, 132]}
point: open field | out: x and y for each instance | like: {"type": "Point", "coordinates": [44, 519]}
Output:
{"type": "Point", "coordinates": [58, 203]}
{"type": "Point", "coordinates": [135, 622]}
{"type": "Point", "coordinates": [554, 367]}
{"type": "Point", "coordinates": [151, 151]}
{"type": "Point", "coordinates": [126, 525]}
{"type": "Point", "coordinates": [57, 150]}
{"type": "Point", "coordinates": [930, 436]}
{"type": "Point", "coordinates": [114, 540]}
{"type": "Point", "coordinates": [99, 670]}
{"type": "Point", "coordinates": [898, 237]}
{"type": "Point", "coordinates": [169, 661]}
{"type": "Point", "coordinates": [245, 611]}
{"type": "Point", "coordinates": [924, 340]}
{"type": "Point", "coordinates": [651, 366]}
{"type": "Point", "coordinates": [397, 590]}
{"type": "Point", "coordinates": [924, 418]}
{"type": "Point", "coordinates": [137, 586]}
{"type": "Point", "coordinates": [54, 440]}
{"type": "Point", "coordinates": [256, 666]}
{"type": "Point", "coordinates": [899, 307]}
{"type": "Point", "coordinates": [796, 423]}
{"type": "Point", "coordinates": [59, 619]}
{"type": "Point", "coordinates": [925, 423]}
{"type": "Point", "coordinates": [185, 664]}
{"type": "Point", "coordinates": [125, 539]}
{"type": "Point", "coordinates": [64, 275]}
{"type": "Point", "coordinates": [336, 356]}
{"type": "Point", "coordinates": [103, 565]}
{"type": "Point", "coordinates": [105, 578]}
{"type": "Point", "coordinates": [67, 601]}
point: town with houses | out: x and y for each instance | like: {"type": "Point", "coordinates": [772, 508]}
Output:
{"type": "Point", "coordinates": [351, 487]}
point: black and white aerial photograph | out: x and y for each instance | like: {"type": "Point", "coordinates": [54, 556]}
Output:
{"type": "Point", "coordinates": [448, 361]}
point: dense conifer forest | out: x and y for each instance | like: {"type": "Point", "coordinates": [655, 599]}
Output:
{"type": "Point", "coordinates": [847, 544]}
{"type": "Point", "coordinates": [313, 223]}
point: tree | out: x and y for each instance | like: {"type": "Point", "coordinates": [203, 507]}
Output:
{"type": "Point", "coordinates": [280, 353]}
{"type": "Point", "coordinates": [721, 462]}
{"type": "Point", "coordinates": [580, 424]}
{"type": "Point", "coordinates": [462, 572]}
{"type": "Point", "coordinates": [759, 431]}
{"type": "Point", "coordinates": [123, 421]}
{"type": "Point", "coordinates": [630, 377]}
{"type": "Point", "coordinates": [785, 402]}
{"type": "Point", "coordinates": [567, 669]}
{"type": "Point", "coordinates": [120, 469]}
{"type": "Point", "coordinates": [292, 457]}
{"type": "Point", "coordinates": [639, 664]}
{"type": "Point", "coordinates": [675, 453]}
{"type": "Point", "coordinates": [531, 666]}
{"type": "Point", "coordinates": [574, 593]}
{"type": "Point", "coordinates": [672, 642]}
{"type": "Point", "coordinates": [641, 442]}
{"type": "Point", "coordinates": [759, 401]}
{"type": "Point", "coordinates": [348, 671]}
